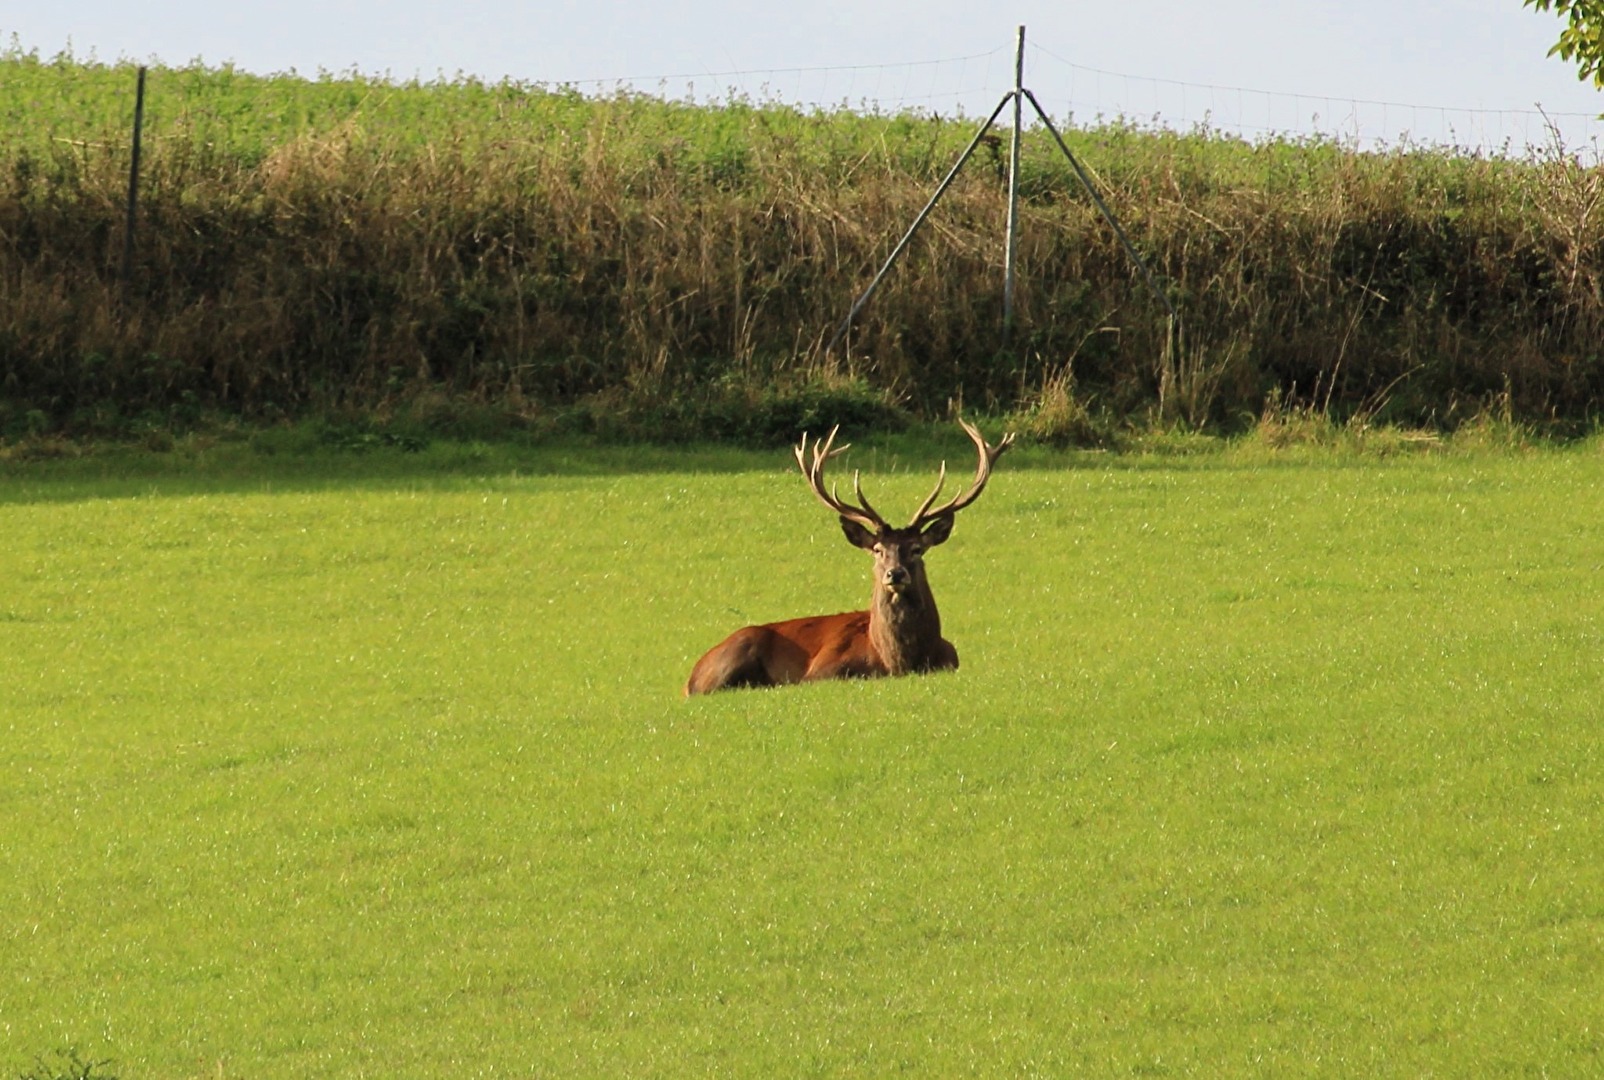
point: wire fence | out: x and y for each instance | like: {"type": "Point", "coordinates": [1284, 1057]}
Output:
{"type": "Point", "coordinates": [1081, 95]}
{"type": "Point", "coordinates": [1090, 93]}
{"type": "Point", "coordinates": [955, 84]}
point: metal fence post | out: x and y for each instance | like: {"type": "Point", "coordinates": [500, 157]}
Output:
{"type": "Point", "coordinates": [1011, 236]}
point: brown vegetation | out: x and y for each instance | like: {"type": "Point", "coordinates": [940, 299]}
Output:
{"type": "Point", "coordinates": [611, 264]}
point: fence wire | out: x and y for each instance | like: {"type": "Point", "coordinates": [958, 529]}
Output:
{"type": "Point", "coordinates": [1081, 94]}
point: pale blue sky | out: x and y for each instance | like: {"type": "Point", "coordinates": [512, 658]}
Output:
{"type": "Point", "coordinates": [1473, 71]}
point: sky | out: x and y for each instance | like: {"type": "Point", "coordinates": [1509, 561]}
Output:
{"type": "Point", "coordinates": [1472, 73]}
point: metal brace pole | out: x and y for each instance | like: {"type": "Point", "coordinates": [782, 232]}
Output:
{"type": "Point", "coordinates": [1173, 331]}
{"type": "Point", "coordinates": [902, 244]}
{"type": "Point", "coordinates": [1108, 215]}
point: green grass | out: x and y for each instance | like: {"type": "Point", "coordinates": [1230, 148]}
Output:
{"type": "Point", "coordinates": [1257, 764]}
{"type": "Point", "coordinates": [224, 114]}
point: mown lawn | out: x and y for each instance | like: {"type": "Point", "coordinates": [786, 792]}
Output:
{"type": "Point", "coordinates": [1257, 764]}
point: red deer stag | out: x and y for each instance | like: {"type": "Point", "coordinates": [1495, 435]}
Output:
{"type": "Point", "coordinates": [901, 631]}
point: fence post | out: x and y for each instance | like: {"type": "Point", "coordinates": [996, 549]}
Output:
{"type": "Point", "coordinates": [133, 184]}
{"type": "Point", "coordinates": [1011, 235]}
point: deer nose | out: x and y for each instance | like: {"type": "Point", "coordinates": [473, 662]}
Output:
{"type": "Point", "coordinates": [896, 576]}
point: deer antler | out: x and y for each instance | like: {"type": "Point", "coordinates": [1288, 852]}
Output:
{"type": "Point", "coordinates": [863, 513]}
{"type": "Point", "coordinates": [988, 457]}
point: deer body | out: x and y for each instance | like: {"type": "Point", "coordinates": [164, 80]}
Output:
{"type": "Point", "coordinates": [899, 634]}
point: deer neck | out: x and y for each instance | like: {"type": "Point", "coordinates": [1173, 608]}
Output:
{"type": "Point", "coordinates": [905, 628]}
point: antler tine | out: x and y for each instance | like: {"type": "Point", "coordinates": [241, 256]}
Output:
{"type": "Point", "coordinates": [821, 451]}
{"type": "Point", "coordinates": [941, 482]}
{"type": "Point", "coordinates": [824, 453]}
{"type": "Point", "coordinates": [857, 489]}
{"type": "Point", "coordinates": [863, 514]}
{"type": "Point", "coordinates": [988, 455]}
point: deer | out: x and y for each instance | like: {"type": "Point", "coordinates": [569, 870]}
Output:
{"type": "Point", "coordinates": [899, 634]}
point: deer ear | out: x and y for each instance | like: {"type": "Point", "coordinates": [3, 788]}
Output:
{"type": "Point", "coordinates": [857, 535]}
{"type": "Point", "coordinates": [938, 531]}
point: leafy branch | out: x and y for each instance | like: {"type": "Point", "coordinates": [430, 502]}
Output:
{"type": "Point", "coordinates": [1582, 40]}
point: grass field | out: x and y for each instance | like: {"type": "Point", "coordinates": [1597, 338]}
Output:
{"type": "Point", "coordinates": [1258, 763]}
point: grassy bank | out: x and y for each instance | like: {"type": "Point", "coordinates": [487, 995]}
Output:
{"type": "Point", "coordinates": [636, 265]}
{"type": "Point", "coordinates": [1257, 762]}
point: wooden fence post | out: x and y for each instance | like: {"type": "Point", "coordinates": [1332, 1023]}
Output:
{"type": "Point", "coordinates": [133, 184]}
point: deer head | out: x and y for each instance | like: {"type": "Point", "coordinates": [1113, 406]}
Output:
{"type": "Point", "coordinates": [899, 574]}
